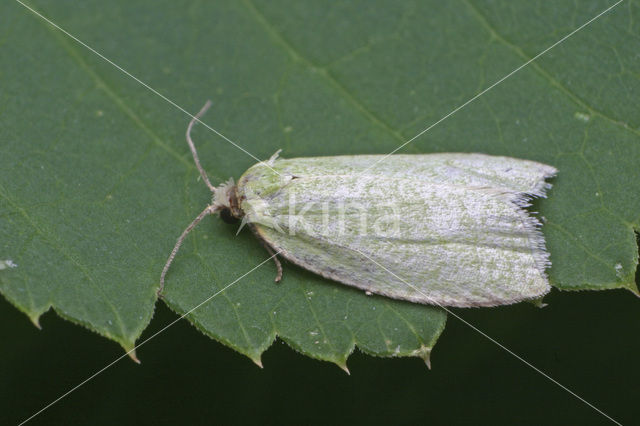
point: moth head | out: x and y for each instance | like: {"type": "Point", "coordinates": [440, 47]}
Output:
{"type": "Point", "coordinates": [225, 202]}
{"type": "Point", "coordinates": [227, 216]}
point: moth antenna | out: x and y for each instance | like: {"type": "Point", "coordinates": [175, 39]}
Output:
{"type": "Point", "coordinates": [194, 153]}
{"type": "Point", "coordinates": [208, 210]}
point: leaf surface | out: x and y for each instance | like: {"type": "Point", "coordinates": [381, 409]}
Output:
{"type": "Point", "coordinates": [96, 181]}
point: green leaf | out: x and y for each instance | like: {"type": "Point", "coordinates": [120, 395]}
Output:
{"type": "Point", "coordinates": [96, 181]}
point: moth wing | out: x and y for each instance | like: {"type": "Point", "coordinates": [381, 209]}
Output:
{"type": "Point", "coordinates": [446, 168]}
{"type": "Point", "coordinates": [443, 244]}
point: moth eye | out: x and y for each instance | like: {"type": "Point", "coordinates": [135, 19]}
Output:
{"type": "Point", "coordinates": [227, 216]}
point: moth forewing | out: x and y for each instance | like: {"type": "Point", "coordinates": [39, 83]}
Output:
{"type": "Point", "coordinates": [460, 234]}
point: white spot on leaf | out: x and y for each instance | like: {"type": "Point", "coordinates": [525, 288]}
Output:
{"type": "Point", "coordinates": [618, 268]}
{"type": "Point", "coordinates": [6, 264]}
{"type": "Point", "coordinates": [582, 116]}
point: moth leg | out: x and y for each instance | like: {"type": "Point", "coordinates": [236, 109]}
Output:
{"type": "Point", "coordinates": [279, 268]}
{"type": "Point", "coordinates": [275, 259]}
{"type": "Point", "coordinates": [208, 210]}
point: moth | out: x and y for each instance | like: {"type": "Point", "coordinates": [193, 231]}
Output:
{"type": "Point", "coordinates": [448, 229]}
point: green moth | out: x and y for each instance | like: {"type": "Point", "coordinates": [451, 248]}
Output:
{"type": "Point", "coordinates": [446, 229]}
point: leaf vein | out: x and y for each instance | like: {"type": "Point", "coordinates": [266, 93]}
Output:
{"type": "Point", "coordinates": [324, 72]}
{"type": "Point", "coordinates": [543, 72]}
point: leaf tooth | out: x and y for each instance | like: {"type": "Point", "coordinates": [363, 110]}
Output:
{"type": "Point", "coordinates": [538, 302]}
{"type": "Point", "coordinates": [134, 357]}
{"type": "Point", "coordinates": [130, 349]}
{"type": "Point", "coordinates": [343, 365]}
{"type": "Point", "coordinates": [424, 352]}
{"type": "Point", "coordinates": [257, 360]}
{"type": "Point", "coordinates": [35, 320]}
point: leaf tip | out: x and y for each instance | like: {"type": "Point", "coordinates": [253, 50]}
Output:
{"type": "Point", "coordinates": [35, 320]}
{"type": "Point", "coordinates": [130, 349]}
{"type": "Point", "coordinates": [257, 360]}
{"type": "Point", "coordinates": [538, 303]}
{"type": "Point", "coordinates": [343, 366]}
{"type": "Point", "coordinates": [133, 356]}
{"type": "Point", "coordinates": [424, 352]}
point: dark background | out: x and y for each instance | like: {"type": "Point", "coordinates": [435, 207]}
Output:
{"type": "Point", "coordinates": [585, 340]}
